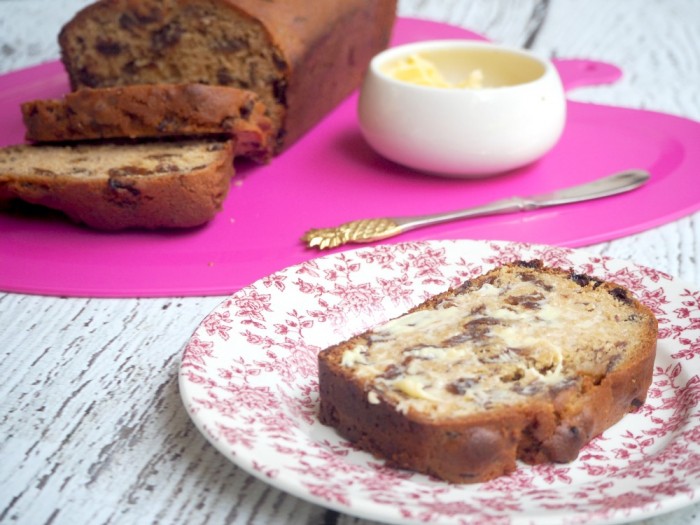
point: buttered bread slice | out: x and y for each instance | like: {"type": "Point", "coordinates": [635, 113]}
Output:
{"type": "Point", "coordinates": [524, 362]}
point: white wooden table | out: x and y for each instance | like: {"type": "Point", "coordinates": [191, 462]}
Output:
{"type": "Point", "coordinates": [92, 427]}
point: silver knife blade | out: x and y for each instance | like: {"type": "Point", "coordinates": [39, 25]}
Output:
{"type": "Point", "coordinates": [604, 187]}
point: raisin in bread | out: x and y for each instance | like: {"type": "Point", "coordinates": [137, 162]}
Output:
{"type": "Point", "coordinates": [152, 111]}
{"type": "Point", "coordinates": [301, 57]}
{"type": "Point", "coordinates": [524, 362]}
{"type": "Point", "coordinates": [116, 186]}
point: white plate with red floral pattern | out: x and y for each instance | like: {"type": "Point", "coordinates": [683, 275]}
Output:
{"type": "Point", "coordinates": [248, 379]}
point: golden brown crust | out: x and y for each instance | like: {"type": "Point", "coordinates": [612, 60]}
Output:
{"type": "Point", "coordinates": [153, 111]}
{"type": "Point", "coordinates": [453, 451]}
{"type": "Point", "coordinates": [327, 47]}
{"type": "Point", "coordinates": [301, 57]}
{"type": "Point", "coordinates": [110, 187]}
{"type": "Point", "coordinates": [486, 444]}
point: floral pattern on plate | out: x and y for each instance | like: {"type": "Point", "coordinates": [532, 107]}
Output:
{"type": "Point", "coordinates": [248, 378]}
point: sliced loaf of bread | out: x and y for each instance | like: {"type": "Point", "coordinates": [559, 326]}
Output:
{"type": "Point", "coordinates": [523, 363]}
{"type": "Point", "coordinates": [115, 186]}
{"type": "Point", "coordinates": [301, 57]}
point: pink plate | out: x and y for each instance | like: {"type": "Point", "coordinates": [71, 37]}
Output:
{"type": "Point", "coordinates": [331, 176]}
{"type": "Point", "coordinates": [248, 378]}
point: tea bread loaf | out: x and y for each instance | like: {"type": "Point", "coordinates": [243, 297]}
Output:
{"type": "Point", "coordinates": [116, 186]}
{"type": "Point", "coordinates": [301, 57]}
{"type": "Point", "coordinates": [523, 363]}
{"type": "Point", "coordinates": [152, 111]}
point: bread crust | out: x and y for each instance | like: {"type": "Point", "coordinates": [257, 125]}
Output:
{"type": "Point", "coordinates": [120, 196]}
{"type": "Point", "coordinates": [153, 111]}
{"type": "Point", "coordinates": [481, 446]}
{"type": "Point", "coordinates": [304, 57]}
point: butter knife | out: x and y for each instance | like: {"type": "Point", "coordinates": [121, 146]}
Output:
{"type": "Point", "coordinates": [369, 230]}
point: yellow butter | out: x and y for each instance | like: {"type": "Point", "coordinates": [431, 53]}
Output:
{"type": "Point", "coordinates": [415, 69]}
{"type": "Point", "coordinates": [412, 387]}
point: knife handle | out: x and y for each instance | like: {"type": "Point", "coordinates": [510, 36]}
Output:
{"type": "Point", "coordinates": [369, 230]}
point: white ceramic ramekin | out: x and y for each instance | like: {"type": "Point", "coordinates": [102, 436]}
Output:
{"type": "Point", "coordinates": [514, 119]}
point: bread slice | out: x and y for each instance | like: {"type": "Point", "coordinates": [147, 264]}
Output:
{"type": "Point", "coordinates": [301, 57]}
{"type": "Point", "coordinates": [153, 111]}
{"type": "Point", "coordinates": [525, 362]}
{"type": "Point", "coordinates": [117, 186]}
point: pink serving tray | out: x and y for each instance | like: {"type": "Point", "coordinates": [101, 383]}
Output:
{"type": "Point", "coordinates": [331, 176]}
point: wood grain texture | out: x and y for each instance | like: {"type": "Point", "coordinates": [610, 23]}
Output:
{"type": "Point", "coordinates": [93, 428]}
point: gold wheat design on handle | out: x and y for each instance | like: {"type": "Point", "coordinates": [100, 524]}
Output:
{"type": "Point", "coordinates": [363, 230]}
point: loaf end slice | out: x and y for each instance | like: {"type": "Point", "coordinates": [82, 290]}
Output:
{"type": "Point", "coordinates": [523, 363]}
{"type": "Point", "coordinates": [117, 186]}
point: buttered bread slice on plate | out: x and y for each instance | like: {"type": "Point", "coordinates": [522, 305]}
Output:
{"type": "Point", "coordinates": [523, 363]}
